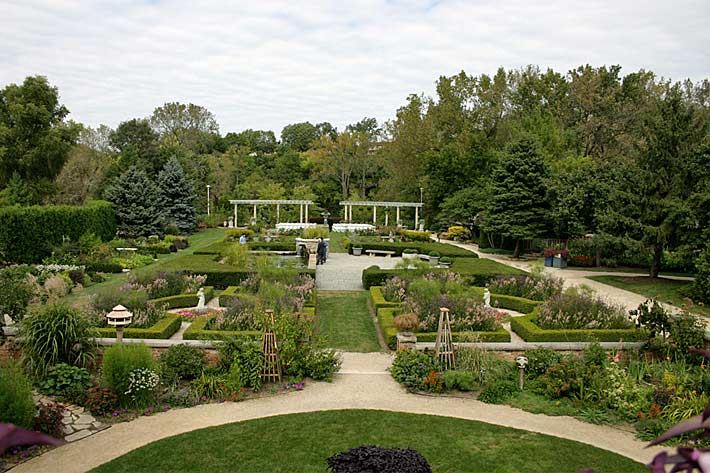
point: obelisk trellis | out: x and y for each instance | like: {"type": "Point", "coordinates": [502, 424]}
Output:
{"type": "Point", "coordinates": [444, 346]}
{"type": "Point", "coordinates": [272, 361]}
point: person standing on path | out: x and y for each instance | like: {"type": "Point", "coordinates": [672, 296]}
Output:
{"type": "Point", "coordinates": [320, 251]}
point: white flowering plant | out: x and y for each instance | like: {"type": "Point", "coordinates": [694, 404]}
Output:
{"type": "Point", "coordinates": [142, 383]}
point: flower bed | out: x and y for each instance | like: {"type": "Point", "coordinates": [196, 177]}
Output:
{"type": "Point", "coordinates": [163, 329]}
{"type": "Point", "coordinates": [530, 331]}
{"type": "Point", "coordinates": [182, 300]}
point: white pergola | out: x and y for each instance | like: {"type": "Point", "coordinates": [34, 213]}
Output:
{"type": "Point", "coordinates": [303, 205]}
{"type": "Point", "coordinates": [349, 204]}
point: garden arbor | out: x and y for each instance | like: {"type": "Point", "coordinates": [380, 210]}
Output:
{"type": "Point", "coordinates": [349, 204]}
{"type": "Point", "coordinates": [303, 207]}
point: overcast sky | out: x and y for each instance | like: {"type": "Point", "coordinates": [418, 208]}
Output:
{"type": "Point", "coordinates": [263, 64]}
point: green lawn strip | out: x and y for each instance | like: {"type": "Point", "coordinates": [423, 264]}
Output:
{"type": "Point", "coordinates": [665, 290]}
{"type": "Point", "coordinates": [621, 269]}
{"type": "Point", "coordinates": [337, 242]}
{"type": "Point", "coordinates": [303, 442]}
{"type": "Point", "coordinates": [344, 320]}
{"type": "Point", "coordinates": [164, 263]}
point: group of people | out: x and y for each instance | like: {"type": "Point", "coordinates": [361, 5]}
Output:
{"type": "Point", "coordinates": [321, 251]}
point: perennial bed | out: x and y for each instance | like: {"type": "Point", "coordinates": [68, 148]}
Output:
{"type": "Point", "coordinates": [531, 332]}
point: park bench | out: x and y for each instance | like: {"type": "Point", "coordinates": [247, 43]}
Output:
{"type": "Point", "coordinates": [379, 253]}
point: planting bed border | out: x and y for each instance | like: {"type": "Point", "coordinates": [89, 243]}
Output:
{"type": "Point", "coordinates": [180, 301]}
{"type": "Point", "coordinates": [163, 329]}
{"type": "Point", "coordinates": [531, 332]}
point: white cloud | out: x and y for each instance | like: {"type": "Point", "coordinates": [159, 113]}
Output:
{"type": "Point", "coordinates": [269, 63]}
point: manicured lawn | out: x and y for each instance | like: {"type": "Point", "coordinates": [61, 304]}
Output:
{"type": "Point", "coordinates": [665, 290]}
{"type": "Point", "coordinates": [345, 321]}
{"type": "Point", "coordinates": [302, 443]}
{"type": "Point", "coordinates": [483, 266]}
{"type": "Point", "coordinates": [170, 262]}
{"type": "Point", "coordinates": [337, 242]}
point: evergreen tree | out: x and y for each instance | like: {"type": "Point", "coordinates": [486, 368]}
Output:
{"type": "Point", "coordinates": [177, 196]}
{"type": "Point", "coordinates": [518, 207]}
{"type": "Point", "coordinates": [136, 199]}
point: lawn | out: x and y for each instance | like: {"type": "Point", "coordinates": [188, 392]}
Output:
{"type": "Point", "coordinates": [665, 290]}
{"type": "Point", "coordinates": [344, 320]}
{"type": "Point", "coordinates": [302, 443]}
{"type": "Point", "coordinates": [337, 242]}
{"type": "Point", "coordinates": [483, 266]}
{"type": "Point", "coordinates": [169, 262]}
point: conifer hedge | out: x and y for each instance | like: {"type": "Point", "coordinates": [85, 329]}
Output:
{"type": "Point", "coordinates": [27, 234]}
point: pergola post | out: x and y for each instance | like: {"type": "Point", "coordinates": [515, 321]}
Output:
{"type": "Point", "coordinates": [278, 213]}
{"type": "Point", "coordinates": [306, 213]}
{"type": "Point", "coordinates": [397, 215]}
{"type": "Point", "coordinates": [416, 218]}
{"type": "Point", "coordinates": [374, 215]}
{"type": "Point", "coordinates": [349, 210]}
{"type": "Point", "coordinates": [387, 219]}
{"type": "Point", "coordinates": [300, 208]}
{"type": "Point", "coordinates": [254, 213]}
{"type": "Point", "coordinates": [235, 215]}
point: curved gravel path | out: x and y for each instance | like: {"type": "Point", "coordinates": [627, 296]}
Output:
{"type": "Point", "coordinates": [363, 383]}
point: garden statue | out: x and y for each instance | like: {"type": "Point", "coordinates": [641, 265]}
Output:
{"type": "Point", "coordinates": [201, 301]}
{"type": "Point", "coordinates": [231, 222]}
{"type": "Point", "coordinates": [486, 297]}
{"type": "Point", "coordinates": [8, 320]}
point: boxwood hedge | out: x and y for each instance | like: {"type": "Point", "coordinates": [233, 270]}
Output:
{"type": "Point", "coordinates": [421, 247]}
{"type": "Point", "coordinates": [531, 332]}
{"type": "Point", "coordinates": [163, 329]}
{"type": "Point", "coordinates": [27, 234]}
{"type": "Point", "coordinates": [182, 300]}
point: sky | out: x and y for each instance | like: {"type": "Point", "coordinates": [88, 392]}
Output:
{"type": "Point", "coordinates": [264, 64]}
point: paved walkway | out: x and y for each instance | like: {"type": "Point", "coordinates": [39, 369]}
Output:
{"type": "Point", "coordinates": [343, 272]}
{"type": "Point", "coordinates": [363, 383]}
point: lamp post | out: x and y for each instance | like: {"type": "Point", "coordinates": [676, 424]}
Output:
{"type": "Point", "coordinates": [119, 317]}
{"type": "Point", "coordinates": [522, 362]}
{"type": "Point", "coordinates": [208, 199]}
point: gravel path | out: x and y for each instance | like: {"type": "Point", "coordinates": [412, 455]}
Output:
{"type": "Point", "coordinates": [343, 272]}
{"type": "Point", "coordinates": [362, 384]}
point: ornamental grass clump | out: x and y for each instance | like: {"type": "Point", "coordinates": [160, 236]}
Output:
{"type": "Point", "coordinates": [536, 286]}
{"type": "Point", "coordinates": [580, 308]}
{"type": "Point", "coordinates": [16, 403]}
{"type": "Point", "coordinates": [55, 334]}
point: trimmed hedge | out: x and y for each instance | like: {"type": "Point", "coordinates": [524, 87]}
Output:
{"type": "Point", "coordinates": [27, 234]}
{"type": "Point", "coordinates": [272, 245]}
{"type": "Point", "coordinates": [385, 318]}
{"type": "Point", "coordinates": [422, 248]}
{"type": "Point", "coordinates": [197, 330]}
{"type": "Point", "coordinates": [518, 304]}
{"type": "Point", "coordinates": [531, 332]}
{"type": "Point", "coordinates": [183, 300]}
{"type": "Point", "coordinates": [104, 267]}
{"type": "Point", "coordinates": [414, 235]}
{"type": "Point", "coordinates": [163, 329]}
{"type": "Point", "coordinates": [378, 299]}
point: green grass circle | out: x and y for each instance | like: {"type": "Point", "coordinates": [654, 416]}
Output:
{"type": "Point", "coordinates": [302, 442]}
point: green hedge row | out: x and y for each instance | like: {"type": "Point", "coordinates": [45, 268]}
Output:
{"type": "Point", "coordinates": [423, 248]}
{"type": "Point", "coordinates": [222, 279]}
{"type": "Point", "coordinates": [518, 304]}
{"type": "Point", "coordinates": [27, 234]}
{"type": "Point", "coordinates": [378, 299]}
{"type": "Point", "coordinates": [197, 330]}
{"type": "Point", "coordinates": [163, 329]}
{"type": "Point", "coordinates": [531, 332]}
{"type": "Point", "coordinates": [104, 267]}
{"type": "Point", "coordinates": [229, 296]}
{"type": "Point", "coordinates": [272, 245]}
{"type": "Point", "coordinates": [182, 300]}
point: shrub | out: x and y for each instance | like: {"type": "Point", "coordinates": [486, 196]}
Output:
{"type": "Point", "coordinates": [55, 334]}
{"type": "Point", "coordinates": [142, 383]}
{"type": "Point", "coordinates": [414, 235]}
{"type": "Point", "coordinates": [457, 231]}
{"type": "Point", "coordinates": [210, 386]}
{"type": "Point", "coordinates": [652, 316]}
{"type": "Point", "coordinates": [43, 227]}
{"type": "Point", "coordinates": [101, 401]}
{"type": "Point", "coordinates": [537, 286]}
{"type": "Point", "coordinates": [579, 308]}
{"type": "Point", "coordinates": [411, 368]}
{"type": "Point", "coordinates": [66, 382]}
{"type": "Point", "coordinates": [183, 362]}
{"type": "Point", "coordinates": [406, 322]}
{"type": "Point", "coordinates": [566, 378]}
{"type": "Point", "coordinates": [315, 232]}
{"type": "Point", "coordinates": [119, 361]}
{"type": "Point", "coordinates": [687, 331]}
{"type": "Point", "coordinates": [373, 458]}
{"type": "Point", "coordinates": [540, 359]}
{"type": "Point", "coordinates": [250, 360]}
{"type": "Point", "coordinates": [323, 364]}
{"type": "Point", "coordinates": [234, 234]}
{"type": "Point", "coordinates": [180, 397]}
{"type": "Point", "coordinates": [16, 403]}
{"type": "Point", "coordinates": [16, 291]}
{"type": "Point", "coordinates": [498, 392]}
{"type": "Point", "coordinates": [461, 380]}
{"type": "Point", "coordinates": [49, 420]}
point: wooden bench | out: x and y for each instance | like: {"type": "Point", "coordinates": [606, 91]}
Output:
{"type": "Point", "coordinates": [379, 253]}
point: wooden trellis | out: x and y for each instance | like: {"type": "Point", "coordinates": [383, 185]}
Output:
{"type": "Point", "coordinates": [272, 361]}
{"type": "Point", "coordinates": [444, 344]}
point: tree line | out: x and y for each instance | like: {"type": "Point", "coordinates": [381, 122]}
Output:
{"type": "Point", "coordinates": [516, 155]}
